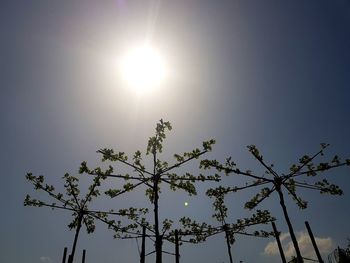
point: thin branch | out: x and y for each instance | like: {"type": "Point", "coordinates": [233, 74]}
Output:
{"type": "Point", "coordinates": [150, 253]}
{"type": "Point", "coordinates": [133, 187]}
{"type": "Point", "coordinates": [183, 162]}
{"type": "Point", "coordinates": [304, 164]}
{"type": "Point", "coordinates": [247, 234]}
{"type": "Point", "coordinates": [150, 237]}
{"type": "Point", "coordinates": [266, 195]}
{"type": "Point", "coordinates": [189, 234]}
{"type": "Point", "coordinates": [318, 170]}
{"type": "Point", "coordinates": [73, 193]}
{"type": "Point", "coordinates": [77, 210]}
{"type": "Point", "coordinates": [254, 223]}
{"type": "Point", "coordinates": [188, 179]}
{"type": "Point", "coordinates": [237, 171]}
{"type": "Point", "coordinates": [56, 206]}
{"type": "Point", "coordinates": [147, 227]}
{"type": "Point", "coordinates": [56, 197]}
{"type": "Point", "coordinates": [136, 237]}
{"type": "Point", "coordinates": [116, 228]}
{"type": "Point", "coordinates": [219, 229]}
{"type": "Point", "coordinates": [94, 185]}
{"type": "Point", "coordinates": [115, 213]}
{"type": "Point", "coordinates": [305, 185]}
{"type": "Point", "coordinates": [143, 179]}
{"type": "Point", "coordinates": [174, 184]}
{"type": "Point", "coordinates": [234, 189]}
{"type": "Point", "coordinates": [295, 196]}
{"type": "Point", "coordinates": [129, 164]}
{"type": "Point", "coordinates": [266, 166]}
{"type": "Point", "coordinates": [169, 253]}
{"type": "Point", "coordinates": [105, 212]}
{"type": "Point", "coordinates": [118, 176]}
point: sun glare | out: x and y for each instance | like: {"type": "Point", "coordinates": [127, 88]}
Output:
{"type": "Point", "coordinates": [142, 68]}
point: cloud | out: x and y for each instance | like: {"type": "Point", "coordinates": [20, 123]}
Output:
{"type": "Point", "coordinates": [325, 245]}
{"type": "Point", "coordinates": [45, 259]}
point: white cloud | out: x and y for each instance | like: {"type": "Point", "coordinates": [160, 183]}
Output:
{"type": "Point", "coordinates": [284, 236]}
{"type": "Point", "coordinates": [45, 259]}
{"type": "Point", "coordinates": [325, 245]}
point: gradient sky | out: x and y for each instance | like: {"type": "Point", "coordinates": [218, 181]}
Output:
{"type": "Point", "coordinates": [271, 73]}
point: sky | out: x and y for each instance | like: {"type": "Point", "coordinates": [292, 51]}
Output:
{"type": "Point", "coordinates": [270, 73]}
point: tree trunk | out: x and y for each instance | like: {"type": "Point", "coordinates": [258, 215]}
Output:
{"type": "Point", "coordinates": [177, 252]}
{"type": "Point", "coordinates": [143, 246]}
{"type": "Point", "coordinates": [80, 218]}
{"type": "Point", "coordinates": [290, 227]}
{"type": "Point", "coordinates": [228, 243]}
{"type": "Point", "coordinates": [156, 221]}
{"type": "Point", "coordinates": [278, 242]}
{"type": "Point", "coordinates": [318, 254]}
{"type": "Point", "coordinates": [64, 255]}
{"type": "Point", "coordinates": [84, 255]}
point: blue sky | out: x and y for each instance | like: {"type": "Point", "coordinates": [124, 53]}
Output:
{"type": "Point", "coordinates": [270, 73]}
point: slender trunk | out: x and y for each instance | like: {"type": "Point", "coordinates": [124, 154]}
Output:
{"type": "Point", "coordinates": [314, 242]}
{"type": "Point", "coordinates": [156, 177]}
{"type": "Point", "coordinates": [84, 255]}
{"type": "Point", "coordinates": [228, 243]}
{"type": "Point", "coordinates": [143, 246]}
{"type": "Point", "coordinates": [278, 242]}
{"type": "Point", "coordinates": [225, 227]}
{"type": "Point", "coordinates": [80, 218]}
{"type": "Point", "coordinates": [177, 252]}
{"type": "Point", "coordinates": [156, 222]}
{"type": "Point", "coordinates": [290, 227]}
{"type": "Point", "coordinates": [64, 255]}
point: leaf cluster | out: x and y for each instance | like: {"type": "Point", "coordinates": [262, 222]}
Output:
{"type": "Point", "coordinates": [201, 231]}
{"type": "Point", "coordinates": [72, 201]}
{"type": "Point", "coordinates": [271, 181]}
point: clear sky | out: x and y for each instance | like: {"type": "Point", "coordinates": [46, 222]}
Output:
{"type": "Point", "coordinates": [271, 73]}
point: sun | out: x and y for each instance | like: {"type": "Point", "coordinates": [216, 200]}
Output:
{"type": "Point", "coordinates": [143, 68]}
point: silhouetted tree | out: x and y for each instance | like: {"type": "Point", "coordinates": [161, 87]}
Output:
{"type": "Point", "coordinates": [71, 201]}
{"type": "Point", "coordinates": [279, 182]}
{"type": "Point", "coordinates": [201, 231]}
{"type": "Point", "coordinates": [152, 177]}
{"type": "Point", "coordinates": [261, 217]}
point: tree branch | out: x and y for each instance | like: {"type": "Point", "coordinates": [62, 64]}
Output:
{"type": "Point", "coordinates": [237, 171]}
{"type": "Point", "coordinates": [56, 197]}
{"type": "Point", "coordinates": [73, 193]}
{"type": "Point", "coordinates": [318, 170]}
{"type": "Point", "coordinates": [304, 164]}
{"type": "Point", "coordinates": [235, 189]}
{"type": "Point", "coordinates": [183, 162]}
{"type": "Point", "coordinates": [260, 159]}
{"type": "Point", "coordinates": [128, 164]}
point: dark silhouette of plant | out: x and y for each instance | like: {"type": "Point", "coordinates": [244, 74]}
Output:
{"type": "Point", "coordinates": [261, 217]}
{"type": "Point", "coordinates": [283, 182]}
{"type": "Point", "coordinates": [71, 201]}
{"type": "Point", "coordinates": [159, 172]}
{"type": "Point", "coordinates": [347, 252]}
{"type": "Point", "coordinates": [201, 231]}
{"type": "Point", "coordinates": [340, 255]}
